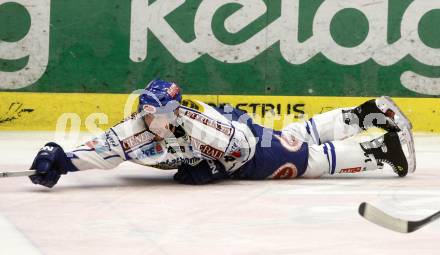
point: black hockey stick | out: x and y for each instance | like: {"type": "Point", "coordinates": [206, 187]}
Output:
{"type": "Point", "coordinates": [380, 218]}
{"type": "Point", "coordinates": [17, 174]}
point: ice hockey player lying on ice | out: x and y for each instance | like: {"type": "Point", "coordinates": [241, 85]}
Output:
{"type": "Point", "coordinates": [212, 144]}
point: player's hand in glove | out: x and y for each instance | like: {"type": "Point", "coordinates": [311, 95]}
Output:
{"type": "Point", "coordinates": [50, 163]}
{"type": "Point", "coordinates": [205, 172]}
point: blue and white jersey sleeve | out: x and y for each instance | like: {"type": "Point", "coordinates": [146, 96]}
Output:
{"type": "Point", "coordinates": [102, 152]}
{"type": "Point", "coordinates": [132, 141]}
{"type": "Point", "coordinates": [129, 140]}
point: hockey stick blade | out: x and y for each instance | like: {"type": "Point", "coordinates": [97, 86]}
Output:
{"type": "Point", "coordinates": [17, 174]}
{"type": "Point", "coordinates": [380, 218]}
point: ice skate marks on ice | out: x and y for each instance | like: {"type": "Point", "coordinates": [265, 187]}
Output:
{"type": "Point", "coordinates": [13, 242]}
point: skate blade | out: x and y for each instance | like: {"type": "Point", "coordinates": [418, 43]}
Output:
{"type": "Point", "coordinates": [407, 140]}
{"type": "Point", "coordinates": [385, 103]}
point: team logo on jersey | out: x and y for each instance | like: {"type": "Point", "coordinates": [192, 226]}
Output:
{"type": "Point", "coordinates": [236, 154]}
{"type": "Point", "coordinates": [286, 171]}
{"type": "Point", "coordinates": [207, 150]}
{"type": "Point", "coordinates": [225, 129]}
{"type": "Point", "coordinates": [234, 151]}
{"type": "Point", "coordinates": [150, 150]}
{"type": "Point", "coordinates": [137, 140]}
{"type": "Point", "coordinates": [292, 145]}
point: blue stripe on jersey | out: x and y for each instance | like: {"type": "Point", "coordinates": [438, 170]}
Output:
{"type": "Point", "coordinates": [113, 156]}
{"type": "Point", "coordinates": [333, 152]}
{"type": "Point", "coordinates": [315, 131]}
{"type": "Point", "coordinates": [328, 158]}
{"type": "Point", "coordinates": [83, 150]}
{"type": "Point", "coordinates": [308, 128]}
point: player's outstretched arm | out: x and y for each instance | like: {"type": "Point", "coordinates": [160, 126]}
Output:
{"type": "Point", "coordinates": [102, 152]}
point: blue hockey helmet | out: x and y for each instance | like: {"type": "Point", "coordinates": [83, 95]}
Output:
{"type": "Point", "coordinates": [160, 97]}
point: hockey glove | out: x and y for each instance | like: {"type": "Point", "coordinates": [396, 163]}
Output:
{"type": "Point", "coordinates": [205, 172]}
{"type": "Point", "coordinates": [50, 163]}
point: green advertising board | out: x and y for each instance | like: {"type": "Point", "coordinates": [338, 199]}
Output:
{"type": "Point", "coordinates": [266, 47]}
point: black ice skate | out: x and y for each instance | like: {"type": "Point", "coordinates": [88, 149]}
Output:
{"type": "Point", "coordinates": [382, 113]}
{"type": "Point", "coordinates": [390, 149]}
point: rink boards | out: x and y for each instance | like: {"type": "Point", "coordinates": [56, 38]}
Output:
{"type": "Point", "coordinates": [94, 112]}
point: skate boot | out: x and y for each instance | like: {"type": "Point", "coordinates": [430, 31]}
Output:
{"type": "Point", "coordinates": [381, 112]}
{"type": "Point", "coordinates": [389, 149]}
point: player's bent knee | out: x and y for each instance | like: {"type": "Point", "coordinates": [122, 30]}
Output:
{"type": "Point", "coordinates": [317, 164]}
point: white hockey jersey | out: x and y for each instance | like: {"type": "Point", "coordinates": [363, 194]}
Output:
{"type": "Point", "coordinates": [207, 135]}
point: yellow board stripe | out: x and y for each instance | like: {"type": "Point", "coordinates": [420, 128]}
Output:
{"type": "Point", "coordinates": [42, 111]}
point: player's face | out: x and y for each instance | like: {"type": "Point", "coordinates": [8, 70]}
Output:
{"type": "Point", "coordinates": [160, 124]}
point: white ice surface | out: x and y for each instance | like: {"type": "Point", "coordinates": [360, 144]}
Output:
{"type": "Point", "coordinates": [139, 210]}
